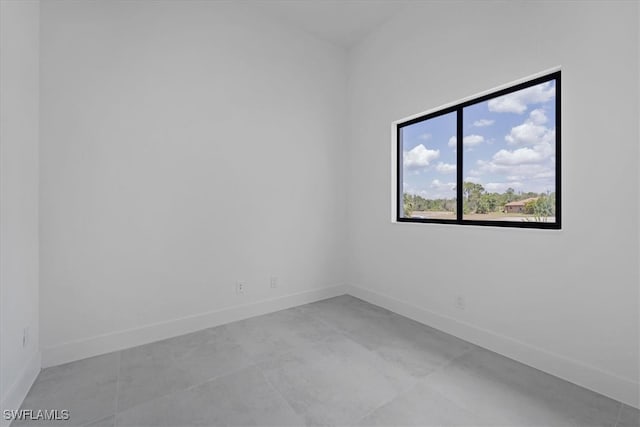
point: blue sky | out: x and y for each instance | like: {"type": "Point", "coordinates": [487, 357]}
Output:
{"type": "Point", "coordinates": [508, 142]}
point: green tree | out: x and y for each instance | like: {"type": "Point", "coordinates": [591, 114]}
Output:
{"type": "Point", "coordinates": [544, 207]}
{"type": "Point", "coordinates": [510, 195]}
{"type": "Point", "coordinates": [530, 207]}
{"type": "Point", "coordinates": [407, 205]}
{"type": "Point", "coordinates": [472, 193]}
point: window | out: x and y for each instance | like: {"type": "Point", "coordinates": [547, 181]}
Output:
{"type": "Point", "coordinates": [490, 160]}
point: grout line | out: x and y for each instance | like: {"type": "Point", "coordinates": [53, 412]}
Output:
{"type": "Point", "coordinates": [450, 362]}
{"type": "Point", "coordinates": [619, 414]}
{"type": "Point", "coordinates": [286, 401]}
{"type": "Point", "coordinates": [320, 320]}
{"type": "Point", "coordinates": [115, 399]}
{"type": "Point", "coordinates": [208, 380]}
{"type": "Point", "coordinates": [253, 364]}
{"type": "Point", "coordinates": [346, 335]}
{"type": "Point", "coordinates": [386, 402]}
{"type": "Point", "coordinates": [417, 382]}
{"type": "Point", "coordinates": [115, 404]}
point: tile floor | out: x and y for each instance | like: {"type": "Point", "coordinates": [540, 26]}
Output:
{"type": "Point", "coordinates": [339, 361]}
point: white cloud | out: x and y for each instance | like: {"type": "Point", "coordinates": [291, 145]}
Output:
{"type": "Point", "coordinates": [467, 141]}
{"type": "Point", "coordinates": [501, 187]}
{"type": "Point", "coordinates": [419, 157]}
{"type": "Point", "coordinates": [425, 136]}
{"type": "Point", "coordinates": [518, 102]}
{"type": "Point", "coordinates": [526, 164]}
{"type": "Point", "coordinates": [483, 122]}
{"type": "Point", "coordinates": [516, 157]}
{"type": "Point", "coordinates": [538, 177]}
{"type": "Point", "coordinates": [472, 140]}
{"type": "Point", "coordinates": [436, 183]}
{"type": "Point", "coordinates": [532, 131]}
{"type": "Point", "coordinates": [538, 116]}
{"type": "Point", "coordinates": [524, 155]}
{"type": "Point", "coordinates": [442, 188]}
{"type": "Point", "coordinates": [523, 171]}
{"type": "Point", "coordinates": [446, 167]}
{"type": "Point", "coordinates": [435, 190]}
{"type": "Point", "coordinates": [528, 168]}
{"type": "Point", "coordinates": [545, 174]}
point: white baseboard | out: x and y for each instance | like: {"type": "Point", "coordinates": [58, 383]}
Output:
{"type": "Point", "coordinates": [94, 346]}
{"type": "Point", "coordinates": [574, 371]}
{"type": "Point", "coordinates": [18, 391]}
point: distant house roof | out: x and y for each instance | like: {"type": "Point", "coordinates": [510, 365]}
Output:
{"type": "Point", "coordinates": [521, 202]}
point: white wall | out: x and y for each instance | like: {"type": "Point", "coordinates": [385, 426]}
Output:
{"type": "Point", "coordinates": [184, 145]}
{"type": "Point", "coordinates": [574, 309]}
{"type": "Point", "coordinates": [18, 198]}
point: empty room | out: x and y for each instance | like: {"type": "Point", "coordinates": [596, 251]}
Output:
{"type": "Point", "coordinates": [320, 213]}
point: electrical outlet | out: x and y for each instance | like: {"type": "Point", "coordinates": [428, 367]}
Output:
{"type": "Point", "coordinates": [240, 287]}
{"type": "Point", "coordinates": [460, 302]}
{"type": "Point", "coordinates": [273, 282]}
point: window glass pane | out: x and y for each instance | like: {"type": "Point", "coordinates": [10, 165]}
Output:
{"type": "Point", "coordinates": [509, 159]}
{"type": "Point", "coordinates": [428, 173]}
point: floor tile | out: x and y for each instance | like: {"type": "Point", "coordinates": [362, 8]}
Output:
{"type": "Point", "coordinates": [163, 367]}
{"type": "Point", "coordinates": [240, 399]}
{"type": "Point", "coordinates": [274, 334]}
{"type": "Point", "coordinates": [629, 417]}
{"type": "Point", "coordinates": [339, 361]}
{"type": "Point", "coordinates": [86, 388]}
{"type": "Point", "coordinates": [422, 406]}
{"type": "Point", "coordinates": [509, 393]}
{"type": "Point", "coordinates": [335, 381]}
{"type": "Point", "coordinates": [345, 312]}
{"type": "Point", "coordinates": [415, 347]}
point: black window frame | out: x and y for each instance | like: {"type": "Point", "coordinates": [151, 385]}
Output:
{"type": "Point", "coordinates": [458, 108]}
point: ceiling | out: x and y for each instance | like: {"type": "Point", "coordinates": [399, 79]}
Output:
{"type": "Point", "coordinates": [343, 22]}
